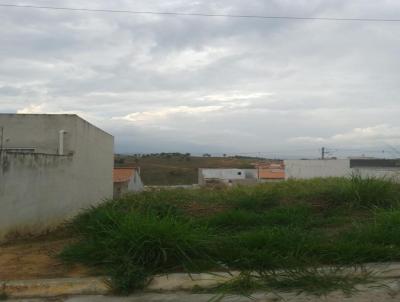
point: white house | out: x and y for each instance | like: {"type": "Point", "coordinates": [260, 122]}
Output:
{"type": "Point", "coordinates": [126, 179]}
{"type": "Point", "coordinates": [227, 176]}
{"type": "Point", "coordinates": [51, 167]}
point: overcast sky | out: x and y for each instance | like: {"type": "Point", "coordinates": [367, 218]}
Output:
{"type": "Point", "coordinates": [192, 84]}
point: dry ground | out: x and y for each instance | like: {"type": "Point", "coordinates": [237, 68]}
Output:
{"type": "Point", "coordinates": [35, 259]}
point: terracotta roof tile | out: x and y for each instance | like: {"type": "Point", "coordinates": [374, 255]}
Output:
{"type": "Point", "coordinates": [271, 174]}
{"type": "Point", "coordinates": [122, 174]}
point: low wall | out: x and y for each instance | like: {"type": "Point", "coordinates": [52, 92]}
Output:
{"type": "Point", "coordinates": [36, 192]}
{"type": "Point", "coordinates": [386, 173]}
{"type": "Point", "coordinates": [306, 169]}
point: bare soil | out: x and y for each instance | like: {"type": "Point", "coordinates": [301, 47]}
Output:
{"type": "Point", "coordinates": [36, 259]}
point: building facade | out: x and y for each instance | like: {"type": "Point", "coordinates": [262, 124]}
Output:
{"type": "Point", "coordinates": [51, 167]}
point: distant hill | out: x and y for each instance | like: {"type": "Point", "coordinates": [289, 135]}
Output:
{"type": "Point", "coordinates": [180, 169]}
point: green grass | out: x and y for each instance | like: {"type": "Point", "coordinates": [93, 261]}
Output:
{"type": "Point", "coordinates": [283, 227]}
{"type": "Point", "coordinates": [133, 246]}
{"type": "Point", "coordinates": [313, 281]}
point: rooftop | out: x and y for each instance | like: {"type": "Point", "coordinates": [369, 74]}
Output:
{"type": "Point", "coordinates": [271, 173]}
{"type": "Point", "coordinates": [123, 174]}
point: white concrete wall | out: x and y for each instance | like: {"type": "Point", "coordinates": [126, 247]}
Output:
{"type": "Point", "coordinates": [386, 173]}
{"type": "Point", "coordinates": [38, 131]}
{"type": "Point", "coordinates": [135, 184]}
{"type": "Point", "coordinates": [251, 173]}
{"type": "Point", "coordinates": [305, 169]}
{"type": "Point", "coordinates": [221, 174]}
{"type": "Point", "coordinates": [39, 190]}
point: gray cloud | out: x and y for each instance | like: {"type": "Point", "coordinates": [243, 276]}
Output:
{"type": "Point", "coordinates": [209, 84]}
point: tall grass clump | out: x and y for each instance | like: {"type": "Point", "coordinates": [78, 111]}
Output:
{"type": "Point", "coordinates": [237, 219]}
{"type": "Point", "coordinates": [372, 192]}
{"type": "Point", "coordinates": [133, 246]}
{"type": "Point", "coordinates": [269, 248]}
{"type": "Point", "coordinates": [377, 240]}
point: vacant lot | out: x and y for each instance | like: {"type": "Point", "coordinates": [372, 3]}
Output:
{"type": "Point", "coordinates": [180, 170]}
{"type": "Point", "coordinates": [281, 231]}
{"type": "Point", "coordinates": [36, 259]}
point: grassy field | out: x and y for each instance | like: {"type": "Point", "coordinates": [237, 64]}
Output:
{"type": "Point", "coordinates": [180, 169]}
{"type": "Point", "coordinates": [291, 227]}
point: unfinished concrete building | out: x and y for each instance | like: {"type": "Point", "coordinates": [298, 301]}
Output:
{"type": "Point", "coordinates": [51, 167]}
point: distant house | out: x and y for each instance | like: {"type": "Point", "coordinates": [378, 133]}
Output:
{"type": "Point", "coordinates": [365, 167]}
{"type": "Point", "coordinates": [271, 172]}
{"type": "Point", "coordinates": [126, 179]}
{"type": "Point", "coordinates": [51, 167]}
{"type": "Point", "coordinates": [227, 176]}
{"type": "Point", "coordinates": [263, 172]}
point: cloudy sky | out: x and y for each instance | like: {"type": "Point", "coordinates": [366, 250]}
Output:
{"type": "Point", "coordinates": [219, 85]}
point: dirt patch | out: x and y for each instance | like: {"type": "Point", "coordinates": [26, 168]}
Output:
{"type": "Point", "coordinates": [198, 209]}
{"type": "Point", "coordinates": [36, 260]}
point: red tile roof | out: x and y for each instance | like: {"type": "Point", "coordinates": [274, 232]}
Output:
{"type": "Point", "coordinates": [271, 174]}
{"type": "Point", "coordinates": [123, 174]}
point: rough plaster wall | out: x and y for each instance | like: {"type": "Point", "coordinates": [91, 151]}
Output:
{"type": "Point", "coordinates": [39, 190]}
{"type": "Point", "coordinates": [305, 169]}
{"type": "Point", "coordinates": [93, 164]}
{"type": "Point", "coordinates": [39, 131]}
{"type": "Point", "coordinates": [35, 191]}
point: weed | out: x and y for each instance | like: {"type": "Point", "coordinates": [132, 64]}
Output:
{"type": "Point", "coordinates": [372, 192]}
{"type": "Point", "coordinates": [269, 248]}
{"type": "Point", "coordinates": [132, 245]}
{"type": "Point", "coordinates": [315, 281]}
{"type": "Point", "coordinates": [245, 285]}
{"type": "Point", "coordinates": [310, 280]}
{"type": "Point", "coordinates": [367, 242]}
{"type": "Point", "coordinates": [298, 215]}
{"type": "Point", "coordinates": [291, 225]}
{"type": "Point", "coordinates": [253, 198]}
{"type": "Point", "coordinates": [235, 219]}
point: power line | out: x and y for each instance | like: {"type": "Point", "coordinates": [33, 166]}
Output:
{"type": "Point", "coordinates": [198, 14]}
